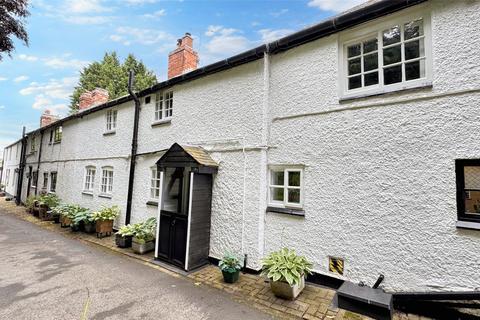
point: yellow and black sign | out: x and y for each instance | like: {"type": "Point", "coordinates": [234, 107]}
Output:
{"type": "Point", "coordinates": [335, 265]}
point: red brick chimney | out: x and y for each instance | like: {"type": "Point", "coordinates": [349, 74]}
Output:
{"type": "Point", "coordinates": [92, 98]}
{"type": "Point", "coordinates": [47, 118]}
{"type": "Point", "coordinates": [183, 58]}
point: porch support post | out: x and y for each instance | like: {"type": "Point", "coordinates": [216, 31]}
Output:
{"type": "Point", "coordinates": [159, 210]}
{"type": "Point", "coordinates": [189, 221]}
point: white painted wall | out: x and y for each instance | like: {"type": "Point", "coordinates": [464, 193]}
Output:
{"type": "Point", "coordinates": [10, 164]}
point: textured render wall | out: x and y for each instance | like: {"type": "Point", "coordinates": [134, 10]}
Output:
{"type": "Point", "coordinates": [207, 112]}
{"type": "Point", "coordinates": [380, 181]}
{"type": "Point", "coordinates": [11, 163]}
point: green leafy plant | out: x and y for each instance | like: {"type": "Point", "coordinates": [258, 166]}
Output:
{"type": "Point", "coordinates": [84, 215]}
{"type": "Point", "coordinates": [286, 265]}
{"type": "Point", "coordinates": [230, 263]}
{"type": "Point", "coordinates": [127, 231]}
{"type": "Point", "coordinates": [106, 213]}
{"type": "Point", "coordinates": [145, 231]}
{"type": "Point", "coordinates": [49, 200]}
{"type": "Point", "coordinates": [30, 202]}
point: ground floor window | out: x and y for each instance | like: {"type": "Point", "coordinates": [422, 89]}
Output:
{"type": "Point", "coordinates": [53, 181]}
{"type": "Point", "coordinates": [45, 180]}
{"type": "Point", "coordinates": [468, 189]}
{"type": "Point", "coordinates": [286, 185]}
{"type": "Point", "coordinates": [155, 184]}
{"type": "Point", "coordinates": [33, 183]}
{"type": "Point", "coordinates": [107, 180]}
{"type": "Point", "coordinates": [89, 178]}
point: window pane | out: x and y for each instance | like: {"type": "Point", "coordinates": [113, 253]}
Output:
{"type": "Point", "coordinates": [353, 50]}
{"type": "Point", "coordinates": [354, 82]}
{"type": "Point", "coordinates": [415, 70]}
{"type": "Point", "coordinates": [413, 29]}
{"type": "Point", "coordinates": [392, 75]}
{"type": "Point", "coordinates": [294, 195]}
{"type": "Point", "coordinates": [277, 194]}
{"type": "Point", "coordinates": [370, 62]}
{"type": "Point", "coordinates": [392, 55]}
{"type": "Point", "coordinates": [354, 66]}
{"type": "Point", "coordinates": [414, 49]}
{"type": "Point", "coordinates": [371, 79]}
{"type": "Point", "coordinates": [472, 189]}
{"type": "Point", "coordinates": [294, 179]}
{"type": "Point", "coordinates": [391, 36]}
{"type": "Point", "coordinates": [277, 178]}
{"type": "Point", "coordinates": [370, 45]}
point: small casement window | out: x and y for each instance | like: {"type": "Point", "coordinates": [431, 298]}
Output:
{"type": "Point", "coordinates": [390, 56]}
{"type": "Point", "coordinates": [57, 134]}
{"type": "Point", "coordinates": [111, 118]}
{"type": "Point", "coordinates": [106, 186]}
{"type": "Point", "coordinates": [45, 180]}
{"type": "Point", "coordinates": [155, 184]}
{"type": "Point", "coordinates": [468, 189]}
{"type": "Point", "coordinates": [163, 105]}
{"type": "Point", "coordinates": [89, 178]}
{"type": "Point", "coordinates": [7, 177]}
{"type": "Point", "coordinates": [286, 186]}
{"type": "Point", "coordinates": [32, 145]}
{"type": "Point", "coordinates": [33, 182]}
{"type": "Point", "coordinates": [53, 181]}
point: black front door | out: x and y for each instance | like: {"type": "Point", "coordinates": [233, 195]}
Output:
{"type": "Point", "coordinates": [174, 217]}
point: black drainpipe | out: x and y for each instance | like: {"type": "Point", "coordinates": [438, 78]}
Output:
{"type": "Point", "coordinates": [133, 154]}
{"type": "Point", "coordinates": [39, 159]}
{"type": "Point", "coordinates": [21, 168]}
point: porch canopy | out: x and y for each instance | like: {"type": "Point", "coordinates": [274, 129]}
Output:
{"type": "Point", "coordinates": [188, 156]}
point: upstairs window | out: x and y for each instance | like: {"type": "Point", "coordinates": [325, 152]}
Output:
{"type": "Point", "coordinates": [111, 118]}
{"type": "Point", "coordinates": [106, 186]}
{"type": "Point", "coordinates": [286, 186]}
{"type": "Point", "coordinates": [163, 106]}
{"type": "Point", "coordinates": [32, 145]}
{"type": "Point", "coordinates": [155, 184]}
{"type": "Point", "coordinates": [53, 182]}
{"type": "Point", "coordinates": [57, 134]}
{"type": "Point", "coordinates": [468, 190]}
{"type": "Point", "coordinates": [89, 179]}
{"type": "Point", "coordinates": [389, 56]}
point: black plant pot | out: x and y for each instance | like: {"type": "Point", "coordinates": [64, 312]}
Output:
{"type": "Point", "coordinates": [230, 277]}
{"type": "Point", "coordinates": [89, 227]}
{"type": "Point", "coordinates": [56, 219]}
{"type": "Point", "coordinates": [78, 226]}
{"type": "Point", "coordinates": [123, 242]}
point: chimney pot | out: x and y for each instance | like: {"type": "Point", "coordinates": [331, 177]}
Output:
{"type": "Point", "coordinates": [47, 118]}
{"type": "Point", "coordinates": [92, 98]}
{"type": "Point", "coordinates": [183, 59]}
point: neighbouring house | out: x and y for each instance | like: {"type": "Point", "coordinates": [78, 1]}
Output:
{"type": "Point", "coordinates": [356, 138]}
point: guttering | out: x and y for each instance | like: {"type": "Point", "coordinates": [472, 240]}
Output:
{"type": "Point", "coordinates": [133, 155]}
{"type": "Point", "coordinates": [38, 163]}
{"type": "Point", "coordinates": [18, 193]}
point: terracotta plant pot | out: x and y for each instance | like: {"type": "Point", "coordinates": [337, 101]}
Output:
{"type": "Point", "coordinates": [65, 222]}
{"type": "Point", "coordinates": [123, 242]}
{"type": "Point", "coordinates": [283, 290]}
{"type": "Point", "coordinates": [104, 228]}
{"type": "Point", "coordinates": [230, 277]}
{"type": "Point", "coordinates": [141, 247]}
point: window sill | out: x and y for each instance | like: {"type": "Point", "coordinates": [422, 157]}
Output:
{"type": "Point", "coordinates": [161, 122]}
{"type": "Point", "coordinates": [289, 211]}
{"type": "Point", "coordinates": [104, 195]}
{"type": "Point", "coordinates": [109, 133]}
{"type": "Point", "coordinates": [56, 142]}
{"type": "Point", "coordinates": [386, 91]}
{"type": "Point", "coordinates": [88, 193]}
{"type": "Point", "coordinates": [468, 225]}
{"type": "Point", "coordinates": [152, 203]}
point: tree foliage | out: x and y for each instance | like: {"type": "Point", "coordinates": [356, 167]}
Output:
{"type": "Point", "coordinates": [111, 75]}
{"type": "Point", "coordinates": [12, 23]}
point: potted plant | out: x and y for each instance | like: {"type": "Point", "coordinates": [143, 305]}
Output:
{"type": "Point", "coordinates": [230, 267]}
{"type": "Point", "coordinates": [84, 220]}
{"type": "Point", "coordinates": [143, 240]}
{"type": "Point", "coordinates": [29, 203]}
{"type": "Point", "coordinates": [123, 238]}
{"type": "Point", "coordinates": [46, 202]}
{"type": "Point", "coordinates": [67, 215]}
{"type": "Point", "coordinates": [286, 272]}
{"type": "Point", "coordinates": [104, 220]}
{"type": "Point", "coordinates": [57, 212]}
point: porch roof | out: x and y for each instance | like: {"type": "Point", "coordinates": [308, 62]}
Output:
{"type": "Point", "coordinates": [186, 156]}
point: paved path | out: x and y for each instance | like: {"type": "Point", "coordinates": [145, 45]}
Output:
{"type": "Point", "coordinates": [44, 275]}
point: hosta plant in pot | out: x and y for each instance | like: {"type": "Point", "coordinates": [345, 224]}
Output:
{"type": "Point", "coordinates": [123, 238]}
{"type": "Point", "coordinates": [84, 219]}
{"type": "Point", "coordinates": [143, 240]}
{"type": "Point", "coordinates": [67, 214]}
{"type": "Point", "coordinates": [230, 266]}
{"type": "Point", "coordinates": [104, 220]}
{"type": "Point", "coordinates": [286, 272]}
{"type": "Point", "coordinates": [46, 203]}
{"type": "Point", "coordinates": [29, 203]}
{"type": "Point", "coordinates": [57, 211]}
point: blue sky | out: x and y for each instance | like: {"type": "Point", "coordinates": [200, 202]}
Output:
{"type": "Point", "coordinates": [65, 35]}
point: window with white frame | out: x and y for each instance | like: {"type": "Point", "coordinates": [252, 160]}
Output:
{"type": "Point", "coordinates": [106, 186]}
{"type": "Point", "coordinates": [388, 56]}
{"type": "Point", "coordinates": [7, 177]}
{"type": "Point", "coordinates": [89, 179]}
{"type": "Point", "coordinates": [53, 182]}
{"type": "Point", "coordinates": [163, 105]}
{"type": "Point", "coordinates": [57, 134]}
{"type": "Point", "coordinates": [45, 180]}
{"type": "Point", "coordinates": [286, 187]}
{"type": "Point", "coordinates": [155, 184]}
{"type": "Point", "coordinates": [32, 145]}
{"type": "Point", "coordinates": [111, 118]}
{"type": "Point", "coordinates": [33, 182]}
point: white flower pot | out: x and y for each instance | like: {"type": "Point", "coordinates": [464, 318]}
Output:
{"type": "Point", "coordinates": [283, 290]}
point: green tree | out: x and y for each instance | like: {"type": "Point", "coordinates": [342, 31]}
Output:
{"type": "Point", "coordinates": [12, 23]}
{"type": "Point", "coordinates": [111, 75]}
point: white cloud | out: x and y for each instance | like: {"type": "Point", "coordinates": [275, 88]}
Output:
{"type": "Point", "coordinates": [140, 2]}
{"type": "Point", "coordinates": [55, 89]}
{"type": "Point", "coordinates": [156, 14]}
{"type": "Point", "coordinates": [219, 31]}
{"type": "Point", "coordinates": [225, 41]}
{"type": "Point", "coordinates": [277, 14]}
{"type": "Point", "coordinates": [85, 6]}
{"type": "Point", "coordinates": [128, 35]}
{"type": "Point", "coordinates": [27, 57]}
{"type": "Point", "coordinates": [3, 79]}
{"type": "Point", "coordinates": [42, 103]}
{"type": "Point", "coordinates": [211, 30]}
{"type": "Point", "coordinates": [87, 19]}
{"type": "Point", "coordinates": [334, 5]}
{"type": "Point", "coordinates": [2, 107]}
{"type": "Point", "coordinates": [20, 78]}
{"type": "Point", "coordinates": [62, 63]}
{"type": "Point", "coordinates": [269, 35]}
